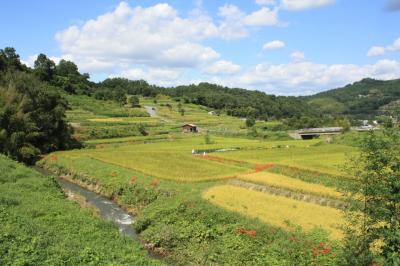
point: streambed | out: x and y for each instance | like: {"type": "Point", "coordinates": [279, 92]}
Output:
{"type": "Point", "coordinates": [106, 208]}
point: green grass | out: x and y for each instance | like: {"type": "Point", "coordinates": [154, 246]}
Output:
{"type": "Point", "coordinates": [126, 139]}
{"type": "Point", "coordinates": [39, 226]}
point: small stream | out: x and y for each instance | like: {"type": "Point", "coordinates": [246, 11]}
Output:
{"type": "Point", "coordinates": [106, 208]}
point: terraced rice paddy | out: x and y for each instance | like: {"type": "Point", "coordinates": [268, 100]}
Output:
{"type": "Point", "coordinates": [276, 210]}
{"type": "Point", "coordinates": [325, 158]}
{"type": "Point", "coordinates": [166, 155]}
{"type": "Point", "coordinates": [292, 184]}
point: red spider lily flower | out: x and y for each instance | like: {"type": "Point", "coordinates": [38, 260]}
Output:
{"type": "Point", "coordinates": [322, 244]}
{"type": "Point", "coordinates": [133, 179]}
{"type": "Point", "coordinates": [247, 232]}
{"type": "Point", "coordinates": [326, 251]}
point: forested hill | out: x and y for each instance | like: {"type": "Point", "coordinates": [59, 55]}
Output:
{"type": "Point", "coordinates": [233, 101]}
{"type": "Point", "coordinates": [366, 98]}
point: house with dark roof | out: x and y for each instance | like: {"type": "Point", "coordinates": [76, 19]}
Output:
{"type": "Point", "coordinates": [189, 128]}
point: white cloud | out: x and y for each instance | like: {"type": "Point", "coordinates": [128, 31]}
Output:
{"type": "Point", "coordinates": [297, 56]}
{"type": "Point", "coordinates": [236, 23]}
{"type": "Point", "coordinates": [395, 46]}
{"type": "Point", "coordinates": [296, 5]}
{"type": "Point", "coordinates": [222, 67]}
{"type": "Point", "coordinates": [300, 78]}
{"type": "Point", "coordinates": [138, 35]}
{"type": "Point", "coordinates": [156, 75]}
{"type": "Point", "coordinates": [232, 26]}
{"type": "Point", "coordinates": [380, 50]}
{"type": "Point", "coordinates": [30, 61]}
{"type": "Point", "coordinates": [187, 55]}
{"type": "Point", "coordinates": [155, 36]}
{"type": "Point", "coordinates": [262, 17]}
{"type": "Point", "coordinates": [266, 2]}
{"type": "Point", "coordinates": [376, 50]}
{"type": "Point", "coordinates": [276, 44]}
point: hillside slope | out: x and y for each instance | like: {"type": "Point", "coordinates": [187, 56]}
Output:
{"type": "Point", "coordinates": [365, 98]}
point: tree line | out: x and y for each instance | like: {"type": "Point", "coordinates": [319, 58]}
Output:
{"type": "Point", "coordinates": [32, 111]}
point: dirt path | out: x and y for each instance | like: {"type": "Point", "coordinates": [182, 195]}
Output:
{"type": "Point", "coordinates": [324, 201]}
{"type": "Point", "coordinates": [151, 110]}
{"type": "Point", "coordinates": [153, 113]}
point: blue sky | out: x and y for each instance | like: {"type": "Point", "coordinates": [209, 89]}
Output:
{"type": "Point", "coordinates": [287, 47]}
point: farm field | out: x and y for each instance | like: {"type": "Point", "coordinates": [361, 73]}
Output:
{"type": "Point", "coordinates": [276, 210]}
{"type": "Point", "coordinates": [169, 177]}
{"type": "Point", "coordinates": [159, 160]}
{"type": "Point", "coordinates": [324, 158]}
{"type": "Point", "coordinates": [289, 183]}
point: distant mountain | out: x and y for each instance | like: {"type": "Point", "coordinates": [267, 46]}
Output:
{"type": "Point", "coordinates": [362, 99]}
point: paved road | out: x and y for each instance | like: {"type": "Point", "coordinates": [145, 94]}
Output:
{"type": "Point", "coordinates": [152, 112]}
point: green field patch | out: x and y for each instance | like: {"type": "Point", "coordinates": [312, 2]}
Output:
{"type": "Point", "coordinates": [169, 165]}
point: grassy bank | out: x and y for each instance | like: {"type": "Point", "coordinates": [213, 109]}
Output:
{"type": "Point", "coordinates": [38, 226]}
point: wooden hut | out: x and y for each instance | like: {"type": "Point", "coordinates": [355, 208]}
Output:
{"type": "Point", "coordinates": [189, 128]}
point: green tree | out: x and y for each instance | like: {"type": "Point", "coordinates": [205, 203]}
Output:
{"type": "Point", "coordinates": [67, 68]}
{"type": "Point", "coordinates": [133, 101]}
{"type": "Point", "coordinates": [374, 223]}
{"type": "Point", "coordinates": [44, 68]}
{"type": "Point", "coordinates": [250, 122]}
{"type": "Point", "coordinates": [32, 119]}
{"type": "Point", "coordinates": [10, 59]}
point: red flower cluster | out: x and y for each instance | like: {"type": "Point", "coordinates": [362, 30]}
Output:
{"type": "Point", "coordinates": [246, 232]}
{"type": "Point", "coordinates": [54, 158]}
{"type": "Point", "coordinates": [133, 179]}
{"type": "Point", "coordinates": [321, 249]}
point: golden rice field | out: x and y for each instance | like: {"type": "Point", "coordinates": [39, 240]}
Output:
{"type": "Point", "coordinates": [281, 181]}
{"type": "Point", "coordinates": [324, 158]}
{"type": "Point", "coordinates": [276, 210]}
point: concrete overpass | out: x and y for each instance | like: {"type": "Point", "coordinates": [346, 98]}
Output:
{"type": "Point", "coordinates": [312, 133]}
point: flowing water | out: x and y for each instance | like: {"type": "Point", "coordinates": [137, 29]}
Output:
{"type": "Point", "coordinates": [106, 208]}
